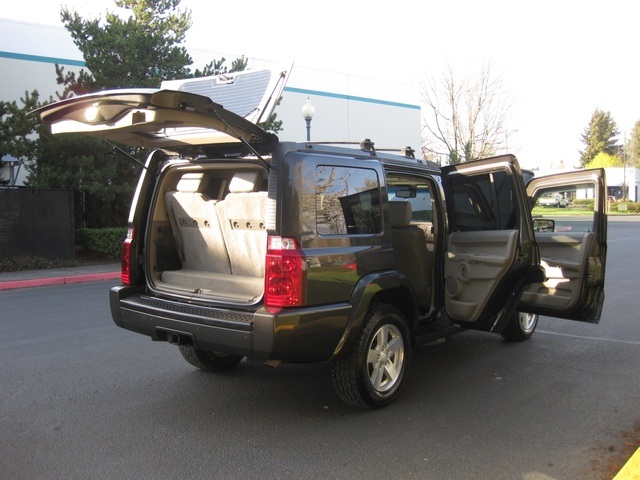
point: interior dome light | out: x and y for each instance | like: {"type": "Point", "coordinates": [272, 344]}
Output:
{"type": "Point", "coordinates": [92, 114]}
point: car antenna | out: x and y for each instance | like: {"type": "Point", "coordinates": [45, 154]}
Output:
{"type": "Point", "coordinates": [131, 157]}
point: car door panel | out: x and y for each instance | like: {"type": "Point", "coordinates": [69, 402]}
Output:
{"type": "Point", "coordinates": [494, 256]}
{"type": "Point", "coordinates": [574, 261]}
{"type": "Point", "coordinates": [474, 261]}
{"type": "Point", "coordinates": [489, 247]}
{"type": "Point", "coordinates": [563, 258]}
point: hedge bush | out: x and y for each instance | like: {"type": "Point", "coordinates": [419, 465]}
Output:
{"type": "Point", "coordinates": [19, 264]}
{"type": "Point", "coordinates": [102, 240]}
{"type": "Point", "coordinates": [632, 207]}
{"type": "Point", "coordinates": [588, 202]}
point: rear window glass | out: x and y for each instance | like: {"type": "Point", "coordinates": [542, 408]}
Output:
{"type": "Point", "coordinates": [347, 201]}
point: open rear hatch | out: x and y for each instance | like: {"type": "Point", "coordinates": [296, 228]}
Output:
{"type": "Point", "coordinates": [176, 119]}
{"type": "Point", "coordinates": [205, 235]}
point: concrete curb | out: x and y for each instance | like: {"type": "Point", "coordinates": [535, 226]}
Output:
{"type": "Point", "coordinates": [60, 280]}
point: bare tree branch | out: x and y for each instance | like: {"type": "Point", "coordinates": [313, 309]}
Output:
{"type": "Point", "coordinates": [465, 116]}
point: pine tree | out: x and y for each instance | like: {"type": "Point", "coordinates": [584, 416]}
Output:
{"type": "Point", "coordinates": [599, 137]}
{"type": "Point", "coordinates": [138, 51]}
{"type": "Point", "coordinates": [633, 146]}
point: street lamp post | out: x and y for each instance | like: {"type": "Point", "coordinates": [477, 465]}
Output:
{"type": "Point", "coordinates": [308, 111]}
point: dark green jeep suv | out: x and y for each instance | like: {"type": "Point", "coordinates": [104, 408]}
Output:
{"type": "Point", "coordinates": [241, 245]}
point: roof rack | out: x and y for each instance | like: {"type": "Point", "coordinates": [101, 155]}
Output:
{"type": "Point", "coordinates": [367, 145]}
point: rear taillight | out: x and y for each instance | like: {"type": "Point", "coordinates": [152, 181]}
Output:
{"type": "Point", "coordinates": [284, 274]}
{"type": "Point", "coordinates": [125, 253]}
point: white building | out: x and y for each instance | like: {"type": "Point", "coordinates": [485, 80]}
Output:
{"type": "Point", "coordinates": [618, 178]}
{"type": "Point", "coordinates": [348, 108]}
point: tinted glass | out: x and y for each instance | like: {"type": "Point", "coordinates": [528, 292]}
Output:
{"type": "Point", "coordinates": [347, 201]}
{"type": "Point", "coordinates": [483, 202]}
{"type": "Point", "coordinates": [421, 206]}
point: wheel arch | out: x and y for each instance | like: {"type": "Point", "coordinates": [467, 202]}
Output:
{"type": "Point", "coordinates": [390, 288]}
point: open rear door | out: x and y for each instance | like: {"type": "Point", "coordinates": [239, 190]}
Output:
{"type": "Point", "coordinates": [222, 110]}
{"type": "Point", "coordinates": [571, 234]}
{"type": "Point", "coordinates": [490, 254]}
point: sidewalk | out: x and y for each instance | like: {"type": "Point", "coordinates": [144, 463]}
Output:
{"type": "Point", "coordinates": [59, 276]}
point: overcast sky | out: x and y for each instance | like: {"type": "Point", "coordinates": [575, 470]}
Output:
{"type": "Point", "coordinates": [559, 60]}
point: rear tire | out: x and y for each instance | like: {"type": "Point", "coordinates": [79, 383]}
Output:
{"type": "Point", "coordinates": [372, 372]}
{"type": "Point", "coordinates": [209, 361]}
{"type": "Point", "coordinates": [521, 327]}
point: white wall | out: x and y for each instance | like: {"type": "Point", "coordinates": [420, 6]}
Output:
{"type": "Point", "coordinates": [28, 54]}
{"type": "Point", "coordinates": [617, 177]}
{"type": "Point", "coordinates": [349, 108]}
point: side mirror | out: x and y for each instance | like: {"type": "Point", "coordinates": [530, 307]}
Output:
{"type": "Point", "coordinates": [544, 225]}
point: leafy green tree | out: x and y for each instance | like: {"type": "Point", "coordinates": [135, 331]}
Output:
{"type": "Point", "coordinates": [102, 177]}
{"type": "Point", "coordinates": [599, 137]}
{"type": "Point", "coordinates": [605, 160]}
{"type": "Point", "coordinates": [18, 129]}
{"type": "Point", "coordinates": [633, 146]}
{"type": "Point", "coordinates": [136, 50]}
{"type": "Point", "coordinates": [139, 51]}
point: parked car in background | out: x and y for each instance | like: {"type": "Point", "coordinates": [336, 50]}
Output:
{"type": "Point", "coordinates": [553, 200]}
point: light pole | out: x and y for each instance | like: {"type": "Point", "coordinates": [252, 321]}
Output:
{"type": "Point", "coordinates": [308, 111]}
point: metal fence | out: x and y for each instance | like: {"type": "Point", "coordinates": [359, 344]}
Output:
{"type": "Point", "coordinates": [36, 223]}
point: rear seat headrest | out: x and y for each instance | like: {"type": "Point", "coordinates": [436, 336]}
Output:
{"type": "Point", "coordinates": [400, 214]}
{"type": "Point", "coordinates": [191, 183]}
{"type": "Point", "coordinates": [243, 182]}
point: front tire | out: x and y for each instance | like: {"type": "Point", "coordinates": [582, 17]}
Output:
{"type": "Point", "coordinates": [521, 327]}
{"type": "Point", "coordinates": [209, 361]}
{"type": "Point", "coordinates": [372, 373]}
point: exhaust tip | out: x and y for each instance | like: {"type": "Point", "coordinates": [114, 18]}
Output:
{"type": "Point", "coordinates": [174, 338]}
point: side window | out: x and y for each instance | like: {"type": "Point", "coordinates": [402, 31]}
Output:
{"type": "Point", "coordinates": [567, 208]}
{"type": "Point", "coordinates": [347, 201]}
{"type": "Point", "coordinates": [418, 196]}
{"type": "Point", "coordinates": [423, 209]}
{"type": "Point", "coordinates": [483, 202]}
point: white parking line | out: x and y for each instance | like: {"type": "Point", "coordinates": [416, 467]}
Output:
{"type": "Point", "coordinates": [599, 339]}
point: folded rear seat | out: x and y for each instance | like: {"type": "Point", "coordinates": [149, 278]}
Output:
{"type": "Point", "coordinates": [226, 257]}
{"type": "Point", "coordinates": [198, 236]}
{"type": "Point", "coordinates": [242, 217]}
{"type": "Point", "coordinates": [195, 226]}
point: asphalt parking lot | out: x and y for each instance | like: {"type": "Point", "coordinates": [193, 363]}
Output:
{"type": "Point", "coordinates": [84, 399]}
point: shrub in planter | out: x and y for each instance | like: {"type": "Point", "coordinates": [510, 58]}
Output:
{"type": "Point", "coordinates": [584, 202]}
{"type": "Point", "coordinates": [101, 240]}
{"type": "Point", "coordinates": [629, 207]}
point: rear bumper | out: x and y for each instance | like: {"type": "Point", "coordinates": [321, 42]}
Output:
{"type": "Point", "coordinates": [297, 335]}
